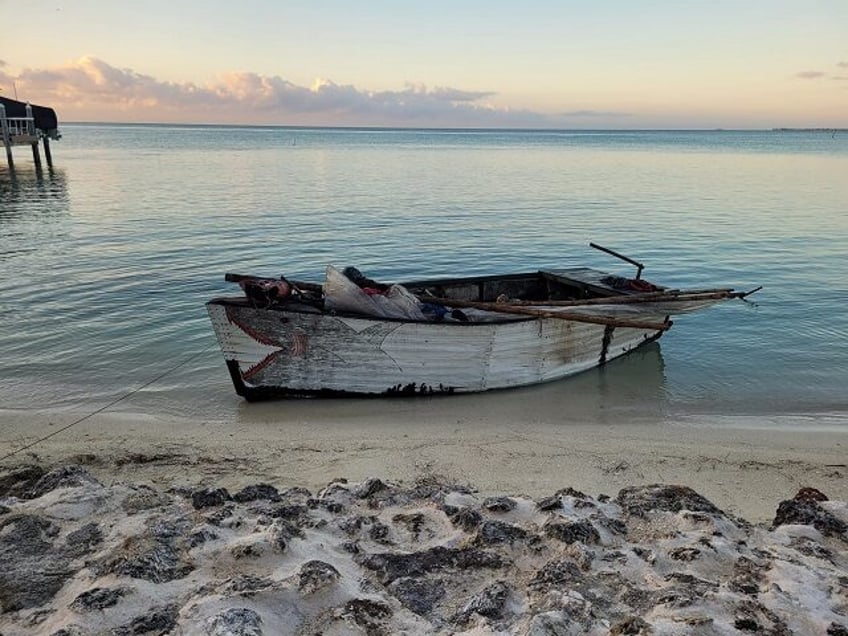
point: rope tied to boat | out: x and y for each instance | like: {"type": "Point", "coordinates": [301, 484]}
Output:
{"type": "Point", "coordinates": [107, 406]}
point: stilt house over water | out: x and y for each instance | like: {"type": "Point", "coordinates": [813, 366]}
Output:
{"type": "Point", "coordinates": [23, 124]}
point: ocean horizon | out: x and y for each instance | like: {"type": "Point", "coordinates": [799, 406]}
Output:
{"type": "Point", "coordinates": [172, 124]}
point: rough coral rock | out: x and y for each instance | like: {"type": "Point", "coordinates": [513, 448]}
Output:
{"type": "Point", "coordinates": [35, 562]}
{"type": "Point", "coordinates": [499, 504]}
{"type": "Point", "coordinates": [209, 497]}
{"type": "Point", "coordinates": [98, 598]}
{"type": "Point", "coordinates": [18, 482]}
{"type": "Point", "coordinates": [640, 500]}
{"type": "Point", "coordinates": [489, 602]}
{"type": "Point", "coordinates": [235, 621]}
{"type": "Point", "coordinates": [810, 513]}
{"type": "Point", "coordinates": [315, 575]}
{"type": "Point", "coordinates": [257, 491]}
{"type": "Point", "coordinates": [391, 566]}
{"type": "Point", "coordinates": [86, 558]}
{"type": "Point", "coordinates": [573, 531]}
{"type": "Point", "coordinates": [419, 595]}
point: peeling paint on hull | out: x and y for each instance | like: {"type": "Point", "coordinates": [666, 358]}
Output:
{"type": "Point", "coordinates": [275, 352]}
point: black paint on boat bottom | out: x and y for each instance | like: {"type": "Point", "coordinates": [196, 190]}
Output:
{"type": "Point", "coordinates": [261, 393]}
{"type": "Point", "coordinates": [419, 389]}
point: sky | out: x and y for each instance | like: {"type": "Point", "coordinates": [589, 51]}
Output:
{"type": "Point", "coordinates": [439, 63]}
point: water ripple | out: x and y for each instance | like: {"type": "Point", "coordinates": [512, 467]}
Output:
{"type": "Point", "coordinates": [106, 262]}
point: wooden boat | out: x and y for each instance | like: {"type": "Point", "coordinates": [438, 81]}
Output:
{"type": "Point", "coordinates": [486, 332]}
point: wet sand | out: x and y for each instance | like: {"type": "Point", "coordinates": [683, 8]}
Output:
{"type": "Point", "coordinates": [502, 446]}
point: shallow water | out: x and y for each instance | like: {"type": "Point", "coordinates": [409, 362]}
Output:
{"type": "Point", "coordinates": [106, 261]}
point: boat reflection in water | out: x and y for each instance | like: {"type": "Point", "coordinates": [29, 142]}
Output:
{"type": "Point", "coordinates": [629, 389]}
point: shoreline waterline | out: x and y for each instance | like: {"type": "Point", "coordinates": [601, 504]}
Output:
{"type": "Point", "coordinates": [742, 469]}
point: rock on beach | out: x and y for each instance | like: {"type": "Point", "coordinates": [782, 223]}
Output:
{"type": "Point", "coordinates": [78, 556]}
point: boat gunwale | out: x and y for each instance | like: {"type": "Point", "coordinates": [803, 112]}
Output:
{"type": "Point", "coordinates": [541, 274]}
{"type": "Point", "coordinates": [237, 301]}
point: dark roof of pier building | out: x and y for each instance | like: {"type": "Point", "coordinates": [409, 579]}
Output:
{"type": "Point", "coordinates": [45, 118]}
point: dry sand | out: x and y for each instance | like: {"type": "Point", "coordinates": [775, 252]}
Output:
{"type": "Point", "coordinates": [500, 445]}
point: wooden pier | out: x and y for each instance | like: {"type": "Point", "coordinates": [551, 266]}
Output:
{"type": "Point", "coordinates": [22, 124]}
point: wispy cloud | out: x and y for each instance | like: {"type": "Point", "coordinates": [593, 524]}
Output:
{"type": "Point", "coordinates": [820, 74]}
{"type": "Point", "coordinates": [810, 74]}
{"type": "Point", "coordinates": [595, 113]}
{"type": "Point", "coordinates": [91, 88]}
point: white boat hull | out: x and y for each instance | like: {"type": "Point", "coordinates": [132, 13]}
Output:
{"type": "Point", "coordinates": [272, 352]}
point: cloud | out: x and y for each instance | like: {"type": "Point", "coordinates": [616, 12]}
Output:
{"type": "Point", "coordinates": [595, 113]}
{"type": "Point", "coordinates": [819, 74]}
{"type": "Point", "coordinates": [91, 89]}
{"type": "Point", "coordinates": [810, 74]}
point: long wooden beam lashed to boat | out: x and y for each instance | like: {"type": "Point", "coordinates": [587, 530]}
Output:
{"type": "Point", "coordinates": [509, 308]}
{"type": "Point", "coordinates": [650, 297]}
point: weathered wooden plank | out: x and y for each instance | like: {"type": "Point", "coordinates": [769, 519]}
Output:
{"type": "Point", "coordinates": [314, 353]}
{"type": "Point", "coordinates": [510, 308]}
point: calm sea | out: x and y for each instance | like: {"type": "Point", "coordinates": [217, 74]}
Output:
{"type": "Point", "coordinates": [106, 261]}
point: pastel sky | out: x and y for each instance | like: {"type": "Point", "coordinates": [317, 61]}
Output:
{"type": "Point", "coordinates": [439, 63]}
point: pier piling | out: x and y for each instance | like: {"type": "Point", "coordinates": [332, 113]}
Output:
{"type": "Point", "coordinates": [36, 156]}
{"type": "Point", "coordinates": [47, 154]}
{"type": "Point", "coordinates": [7, 137]}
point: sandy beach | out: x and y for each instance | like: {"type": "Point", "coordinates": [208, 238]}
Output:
{"type": "Point", "coordinates": [469, 516]}
{"type": "Point", "coordinates": [502, 445]}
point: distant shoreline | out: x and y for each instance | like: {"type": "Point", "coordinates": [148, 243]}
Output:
{"type": "Point", "coordinates": [827, 130]}
{"type": "Point", "coordinates": [446, 130]}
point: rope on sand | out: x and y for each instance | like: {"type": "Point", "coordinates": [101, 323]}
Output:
{"type": "Point", "coordinates": [110, 405]}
